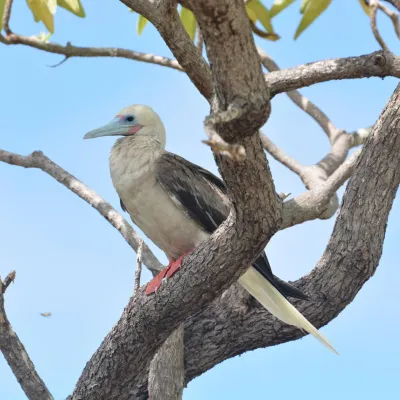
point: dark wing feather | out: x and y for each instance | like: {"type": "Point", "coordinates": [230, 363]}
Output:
{"type": "Point", "coordinates": [201, 193]}
{"type": "Point", "coordinates": [203, 197]}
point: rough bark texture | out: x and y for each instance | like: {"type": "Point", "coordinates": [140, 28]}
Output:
{"type": "Point", "coordinates": [167, 369]}
{"type": "Point", "coordinates": [376, 64]}
{"type": "Point", "coordinates": [226, 328]}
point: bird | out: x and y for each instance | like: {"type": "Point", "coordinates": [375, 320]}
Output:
{"type": "Point", "coordinates": [178, 204]}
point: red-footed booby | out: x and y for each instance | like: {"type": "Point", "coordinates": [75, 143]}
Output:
{"type": "Point", "coordinates": [178, 204]}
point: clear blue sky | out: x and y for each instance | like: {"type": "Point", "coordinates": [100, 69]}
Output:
{"type": "Point", "coordinates": [71, 262]}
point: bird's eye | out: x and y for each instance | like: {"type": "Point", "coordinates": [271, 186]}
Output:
{"type": "Point", "coordinates": [129, 118]}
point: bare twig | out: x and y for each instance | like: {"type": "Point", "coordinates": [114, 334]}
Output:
{"type": "Point", "coordinates": [360, 135]}
{"type": "Point", "coordinates": [70, 51]}
{"type": "Point", "coordinates": [263, 34]}
{"type": "Point", "coordinates": [16, 356]}
{"type": "Point", "coordinates": [281, 156]}
{"type": "Point", "coordinates": [9, 278]}
{"type": "Point", "coordinates": [138, 267]}
{"type": "Point", "coordinates": [301, 101]}
{"type": "Point", "coordinates": [373, 4]}
{"type": "Point", "coordinates": [393, 15]}
{"type": "Point", "coordinates": [394, 3]}
{"type": "Point", "coordinates": [7, 16]}
{"type": "Point", "coordinates": [38, 160]}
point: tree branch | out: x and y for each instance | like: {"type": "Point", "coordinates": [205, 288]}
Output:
{"type": "Point", "coordinates": [38, 160]}
{"type": "Point", "coordinates": [394, 3]}
{"type": "Point", "coordinates": [166, 20]}
{"type": "Point", "coordinates": [167, 369]}
{"type": "Point", "coordinates": [70, 51]}
{"type": "Point", "coordinates": [380, 64]}
{"type": "Point", "coordinates": [16, 356]}
{"type": "Point", "coordinates": [301, 101]}
{"type": "Point", "coordinates": [7, 16]}
{"type": "Point", "coordinates": [374, 8]}
{"type": "Point", "coordinates": [281, 156]}
{"type": "Point", "coordinates": [317, 201]}
{"type": "Point", "coordinates": [226, 329]}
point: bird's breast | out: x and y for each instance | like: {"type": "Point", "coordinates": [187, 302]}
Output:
{"type": "Point", "coordinates": [160, 219]}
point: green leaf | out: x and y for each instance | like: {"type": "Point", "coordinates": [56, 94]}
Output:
{"type": "Point", "coordinates": [73, 6]}
{"type": "Point", "coordinates": [313, 9]}
{"type": "Point", "coordinates": [304, 4]}
{"type": "Point", "coordinates": [251, 14]}
{"type": "Point", "coordinates": [44, 10]}
{"type": "Point", "coordinates": [2, 5]}
{"type": "Point", "coordinates": [142, 21]}
{"type": "Point", "coordinates": [365, 7]}
{"type": "Point", "coordinates": [278, 6]}
{"type": "Point", "coordinates": [262, 14]}
{"type": "Point", "coordinates": [189, 22]}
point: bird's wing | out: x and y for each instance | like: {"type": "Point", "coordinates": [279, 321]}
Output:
{"type": "Point", "coordinates": [202, 196]}
{"type": "Point", "coordinates": [199, 193]}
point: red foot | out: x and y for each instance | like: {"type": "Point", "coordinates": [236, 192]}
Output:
{"type": "Point", "coordinates": [167, 272]}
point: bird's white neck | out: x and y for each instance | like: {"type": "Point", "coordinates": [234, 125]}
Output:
{"type": "Point", "coordinates": [132, 158]}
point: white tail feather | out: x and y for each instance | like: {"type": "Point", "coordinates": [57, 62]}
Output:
{"type": "Point", "coordinates": [277, 304]}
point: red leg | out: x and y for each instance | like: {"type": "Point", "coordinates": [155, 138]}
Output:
{"type": "Point", "coordinates": [167, 272]}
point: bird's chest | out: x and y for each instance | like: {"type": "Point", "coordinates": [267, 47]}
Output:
{"type": "Point", "coordinates": [153, 211]}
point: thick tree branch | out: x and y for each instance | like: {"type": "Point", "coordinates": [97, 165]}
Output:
{"type": "Point", "coordinates": [16, 356]}
{"type": "Point", "coordinates": [167, 369]}
{"type": "Point", "coordinates": [226, 328]}
{"type": "Point", "coordinates": [38, 160]}
{"type": "Point", "coordinates": [380, 64]}
{"type": "Point", "coordinates": [165, 18]}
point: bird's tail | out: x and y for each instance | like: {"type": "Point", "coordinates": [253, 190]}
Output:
{"type": "Point", "coordinates": [276, 304]}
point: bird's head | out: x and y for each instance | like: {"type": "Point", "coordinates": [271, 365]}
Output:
{"type": "Point", "coordinates": [136, 120]}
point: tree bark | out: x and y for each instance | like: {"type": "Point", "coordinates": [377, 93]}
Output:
{"type": "Point", "coordinates": [167, 369]}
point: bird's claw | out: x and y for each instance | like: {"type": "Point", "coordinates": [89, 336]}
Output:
{"type": "Point", "coordinates": [165, 274]}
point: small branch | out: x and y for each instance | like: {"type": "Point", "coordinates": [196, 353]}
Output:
{"type": "Point", "coordinates": [7, 16]}
{"type": "Point", "coordinates": [263, 34]}
{"type": "Point", "coordinates": [301, 101]}
{"type": "Point", "coordinates": [374, 8]}
{"type": "Point", "coordinates": [378, 64]}
{"type": "Point", "coordinates": [70, 51]}
{"type": "Point", "coordinates": [9, 278]}
{"type": "Point", "coordinates": [315, 202]}
{"type": "Point", "coordinates": [16, 356]}
{"type": "Point", "coordinates": [281, 156]}
{"type": "Point", "coordinates": [394, 3]}
{"type": "Point", "coordinates": [393, 15]}
{"type": "Point", "coordinates": [138, 267]}
{"type": "Point", "coordinates": [360, 136]}
{"type": "Point", "coordinates": [38, 160]}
